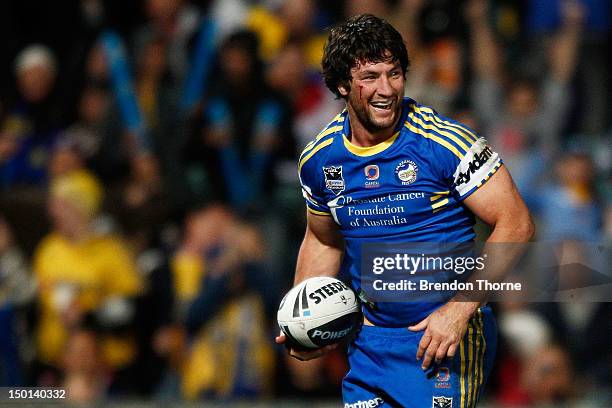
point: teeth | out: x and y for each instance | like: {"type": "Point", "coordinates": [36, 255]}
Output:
{"type": "Point", "coordinates": [382, 105]}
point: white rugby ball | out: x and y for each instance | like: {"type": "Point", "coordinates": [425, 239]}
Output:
{"type": "Point", "coordinates": [319, 311]}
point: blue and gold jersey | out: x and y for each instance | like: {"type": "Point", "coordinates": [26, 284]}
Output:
{"type": "Point", "coordinates": [408, 188]}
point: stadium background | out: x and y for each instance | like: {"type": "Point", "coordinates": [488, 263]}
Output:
{"type": "Point", "coordinates": [172, 128]}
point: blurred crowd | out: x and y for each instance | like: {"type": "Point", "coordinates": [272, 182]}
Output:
{"type": "Point", "coordinates": [150, 212]}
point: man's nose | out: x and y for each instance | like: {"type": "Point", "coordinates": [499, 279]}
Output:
{"type": "Point", "coordinates": [384, 86]}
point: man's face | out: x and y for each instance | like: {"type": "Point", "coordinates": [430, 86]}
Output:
{"type": "Point", "coordinates": [375, 94]}
{"type": "Point", "coordinates": [35, 83]}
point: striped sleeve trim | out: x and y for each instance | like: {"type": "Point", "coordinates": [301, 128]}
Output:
{"type": "Point", "coordinates": [461, 130]}
{"type": "Point", "coordinates": [336, 125]}
{"type": "Point", "coordinates": [314, 151]}
{"type": "Point", "coordinates": [317, 212]}
{"type": "Point", "coordinates": [430, 122]}
{"type": "Point", "coordinates": [441, 140]}
{"type": "Point", "coordinates": [492, 172]}
{"type": "Point", "coordinates": [483, 181]}
{"type": "Point", "coordinates": [311, 202]}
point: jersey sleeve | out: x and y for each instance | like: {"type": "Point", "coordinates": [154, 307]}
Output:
{"type": "Point", "coordinates": [311, 183]}
{"type": "Point", "coordinates": [474, 169]}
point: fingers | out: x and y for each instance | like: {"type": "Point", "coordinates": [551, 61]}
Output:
{"type": "Point", "coordinates": [430, 353]}
{"type": "Point", "coordinates": [441, 352]}
{"type": "Point", "coordinates": [452, 350]}
{"type": "Point", "coordinates": [433, 348]}
{"type": "Point", "coordinates": [311, 354]}
{"type": "Point", "coordinates": [304, 355]}
{"type": "Point", "coordinates": [420, 326]}
{"type": "Point", "coordinates": [423, 345]}
{"type": "Point", "coordinates": [281, 338]}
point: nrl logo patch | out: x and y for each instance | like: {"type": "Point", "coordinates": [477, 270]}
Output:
{"type": "Point", "coordinates": [442, 402]}
{"type": "Point", "coordinates": [333, 179]}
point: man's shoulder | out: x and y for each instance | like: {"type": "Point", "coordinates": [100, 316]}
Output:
{"type": "Point", "coordinates": [316, 148]}
{"type": "Point", "coordinates": [441, 134]}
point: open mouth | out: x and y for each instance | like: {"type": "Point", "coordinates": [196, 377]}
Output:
{"type": "Point", "coordinates": [382, 106]}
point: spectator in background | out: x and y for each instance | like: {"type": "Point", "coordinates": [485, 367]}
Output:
{"type": "Point", "coordinates": [522, 334]}
{"type": "Point", "coordinates": [32, 123]}
{"type": "Point", "coordinates": [126, 158]}
{"type": "Point", "coordinates": [17, 290]}
{"type": "Point", "coordinates": [86, 376]}
{"type": "Point", "coordinates": [549, 378]}
{"type": "Point", "coordinates": [522, 120]}
{"type": "Point", "coordinates": [291, 21]}
{"type": "Point", "coordinates": [544, 17]}
{"type": "Point", "coordinates": [96, 132]}
{"type": "Point", "coordinates": [288, 73]}
{"type": "Point", "coordinates": [244, 125]}
{"type": "Point", "coordinates": [577, 317]}
{"type": "Point", "coordinates": [175, 22]}
{"type": "Point", "coordinates": [85, 280]}
{"type": "Point", "coordinates": [569, 206]}
{"type": "Point", "coordinates": [216, 274]}
{"type": "Point", "coordinates": [158, 100]}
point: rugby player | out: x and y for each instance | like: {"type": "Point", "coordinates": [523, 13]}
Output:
{"type": "Point", "coordinates": [387, 169]}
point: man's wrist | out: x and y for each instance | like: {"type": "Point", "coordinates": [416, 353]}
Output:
{"type": "Point", "coordinates": [466, 309]}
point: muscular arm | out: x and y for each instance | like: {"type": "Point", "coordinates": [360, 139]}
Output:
{"type": "Point", "coordinates": [320, 255]}
{"type": "Point", "coordinates": [322, 249]}
{"type": "Point", "coordinates": [499, 204]}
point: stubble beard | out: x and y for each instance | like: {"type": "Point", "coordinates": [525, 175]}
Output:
{"type": "Point", "coordinates": [370, 122]}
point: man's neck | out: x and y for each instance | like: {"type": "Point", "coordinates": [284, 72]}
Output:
{"type": "Point", "coordinates": [363, 137]}
{"type": "Point", "coordinates": [78, 233]}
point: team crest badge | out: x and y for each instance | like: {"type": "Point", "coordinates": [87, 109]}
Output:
{"type": "Point", "coordinates": [333, 179]}
{"type": "Point", "coordinates": [442, 402]}
{"type": "Point", "coordinates": [406, 171]}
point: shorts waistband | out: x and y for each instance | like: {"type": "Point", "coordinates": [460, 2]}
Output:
{"type": "Point", "coordinates": [403, 330]}
{"type": "Point", "coordinates": [389, 331]}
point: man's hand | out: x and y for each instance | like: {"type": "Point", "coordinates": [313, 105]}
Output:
{"type": "Point", "coordinates": [305, 355]}
{"type": "Point", "coordinates": [444, 330]}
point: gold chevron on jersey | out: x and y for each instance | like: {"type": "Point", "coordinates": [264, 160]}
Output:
{"type": "Point", "coordinates": [433, 116]}
{"type": "Point", "coordinates": [438, 194]}
{"type": "Point", "coordinates": [433, 123]}
{"type": "Point", "coordinates": [440, 131]}
{"type": "Point", "coordinates": [313, 151]}
{"type": "Point", "coordinates": [334, 126]}
{"type": "Point", "coordinates": [410, 124]}
{"type": "Point", "coordinates": [438, 200]}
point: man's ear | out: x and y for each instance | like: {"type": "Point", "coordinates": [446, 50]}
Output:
{"type": "Point", "coordinates": [344, 90]}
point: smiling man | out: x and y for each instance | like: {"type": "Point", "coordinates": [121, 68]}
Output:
{"type": "Point", "coordinates": [389, 170]}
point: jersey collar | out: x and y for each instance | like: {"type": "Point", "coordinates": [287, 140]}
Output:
{"type": "Point", "coordinates": [380, 147]}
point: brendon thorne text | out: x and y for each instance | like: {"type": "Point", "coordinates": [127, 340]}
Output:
{"type": "Point", "coordinates": [425, 285]}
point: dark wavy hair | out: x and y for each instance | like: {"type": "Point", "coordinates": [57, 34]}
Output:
{"type": "Point", "coordinates": [363, 38]}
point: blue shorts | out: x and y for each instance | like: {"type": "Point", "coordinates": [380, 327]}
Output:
{"type": "Point", "coordinates": [385, 373]}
